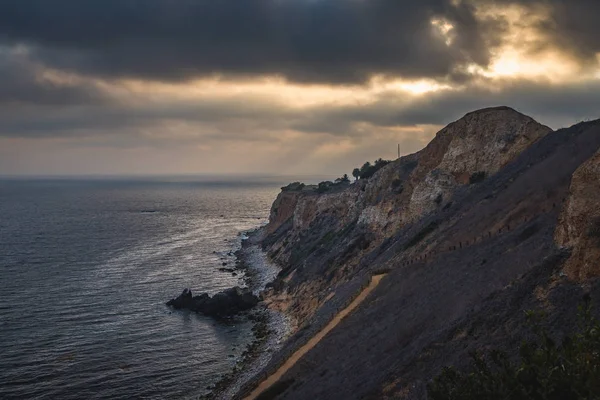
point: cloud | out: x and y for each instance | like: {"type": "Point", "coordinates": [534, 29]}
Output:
{"type": "Point", "coordinates": [24, 82]}
{"type": "Point", "coordinates": [219, 85]}
{"type": "Point", "coordinates": [247, 118]}
{"type": "Point", "coordinates": [571, 25]}
{"type": "Point", "coordinates": [333, 41]}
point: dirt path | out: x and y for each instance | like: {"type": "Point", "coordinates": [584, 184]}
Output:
{"type": "Point", "coordinates": [267, 383]}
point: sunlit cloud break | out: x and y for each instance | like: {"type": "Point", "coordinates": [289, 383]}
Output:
{"type": "Point", "coordinates": [285, 86]}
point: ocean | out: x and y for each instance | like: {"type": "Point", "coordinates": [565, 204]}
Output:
{"type": "Point", "coordinates": [86, 267]}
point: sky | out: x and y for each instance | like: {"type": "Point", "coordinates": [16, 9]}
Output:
{"type": "Point", "coordinates": [110, 87]}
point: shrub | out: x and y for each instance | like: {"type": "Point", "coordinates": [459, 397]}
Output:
{"type": "Point", "coordinates": [293, 187]}
{"type": "Point", "coordinates": [477, 177]}
{"type": "Point", "coordinates": [344, 179]}
{"type": "Point", "coordinates": [324, 186]}
{"type": "Point", "coordinates": [421, 235]}
{"type": "Point", "coordinates": [328, 238]}
{"type": "Point", "coordinates": [570, 370]}
{"type": "Point", "coordinates": [528, 232]}
{"type": "Point", "coordinates": [368, 169]}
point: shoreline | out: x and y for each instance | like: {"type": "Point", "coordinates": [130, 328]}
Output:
{"type": "Point", "coordinates": [269, 383]}
{"type": "Point", "coordinates": [270, 328]}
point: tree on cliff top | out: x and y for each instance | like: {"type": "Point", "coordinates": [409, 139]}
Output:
{"type": "Point", "coordinates": [368, 169]}
{"type": "Point", "coordinates": [343, 179]}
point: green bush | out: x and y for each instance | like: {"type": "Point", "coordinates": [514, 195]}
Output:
{"type": "Point", "coordinates": [343, 180]}
{"type": "Point", "coordinates": [368, 169]}
{"type": "Point", "coordinates": [477, 177]}
{"type": "Point", "coordinates": [421, 235]}
{"type": "Point", "coordinates": [324, 186]}
{"type": "Point", "coordinates": [544, 371]}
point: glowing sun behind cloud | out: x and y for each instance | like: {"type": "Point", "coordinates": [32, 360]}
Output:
{"type": "Point", "coordinates": [342, 85]}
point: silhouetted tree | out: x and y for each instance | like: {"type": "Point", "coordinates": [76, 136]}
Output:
{"type": "Point", "coordinates": [364, 170]}
{"type": "Point", "coordinates": [368, 169]}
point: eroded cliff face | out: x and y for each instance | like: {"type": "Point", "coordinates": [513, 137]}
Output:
{"type": "Point", "coordinates": [282, 210]}
{"type": "Point", "coordinates": [579, 224]}
{"type": "Point", "coordinates": [460, 269]}
{"type": "Point", "coordinates": [330, 233]}
{"type": "Point", "coordinates": [482, 142]}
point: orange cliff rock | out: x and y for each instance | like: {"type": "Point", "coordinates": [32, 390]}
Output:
{"type": "Point", "coordinates": [579, 224]}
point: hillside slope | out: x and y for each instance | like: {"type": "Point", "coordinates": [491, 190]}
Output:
{"type": "Point", "coordinates": [464, 255]}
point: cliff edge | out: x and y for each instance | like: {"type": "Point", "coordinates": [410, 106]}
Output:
{"type": "Point", "coordinates": [495, 216]}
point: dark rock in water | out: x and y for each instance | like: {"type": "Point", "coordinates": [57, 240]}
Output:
{"type": "Point", "coordinates": [226, 303]}
{"type": "Point", "coordinates": [224, 263]}
{"type": "Point", "coordinates": [184, 300]}
{"type": "Point", "coordinates": [226, 269]}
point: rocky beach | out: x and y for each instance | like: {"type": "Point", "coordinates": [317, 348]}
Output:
{"type": "Point", "coordinates": [270, 326]}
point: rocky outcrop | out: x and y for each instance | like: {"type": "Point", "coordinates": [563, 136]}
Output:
{"type": "Point", "coordinates": [579, 225]}
{"type": "Point", "coordinates": [352, 222]}
{"type": "Point", "coordinates": [223, 304]}
{"type": "Point", "coordinates": [481, 142]}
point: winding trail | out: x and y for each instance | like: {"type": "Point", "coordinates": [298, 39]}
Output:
{"type": "Point", "coordinates": [290, 362]}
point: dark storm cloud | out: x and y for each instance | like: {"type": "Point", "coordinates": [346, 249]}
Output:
{"type": "Point", "coordinates": [21, 82]}
{"type": "Point", "coordinates": [556, 105]}
{"type": "Point", "coordinates": [576, 26]}
{"type": "Point", "coordinates": [251, 119]}
{"type": "Point", "coordinates": [330, 41]}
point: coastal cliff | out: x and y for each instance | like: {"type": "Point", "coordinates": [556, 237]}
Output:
{"type": "Point", "coordinates": [334, 231]}
{"type": "Point", "coordinates": [495, 216]}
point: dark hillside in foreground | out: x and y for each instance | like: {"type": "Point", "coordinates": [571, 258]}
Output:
{"type": "Point", "coordinates": [461, 276]}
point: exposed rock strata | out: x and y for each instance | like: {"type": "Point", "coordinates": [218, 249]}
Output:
{"type": "Point", "coordinates": [579, 225]}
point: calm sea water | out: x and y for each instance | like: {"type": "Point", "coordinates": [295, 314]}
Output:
{"type": "Point", "coordinates": [85, 269]}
